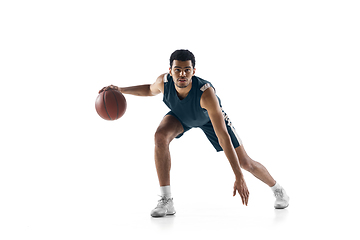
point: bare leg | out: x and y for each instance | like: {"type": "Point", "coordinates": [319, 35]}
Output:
{"type": "Point", "coordinates": [168, 129]}
{"type": "Point", "coordinates": [256, 168]}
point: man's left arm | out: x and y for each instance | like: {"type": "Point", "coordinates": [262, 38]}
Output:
{"type": "Point", "coordinates": [210, 102]}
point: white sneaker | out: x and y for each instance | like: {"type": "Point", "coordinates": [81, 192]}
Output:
{"type": "Point", "coordinates": [164, 207]}
{"type": "Point", "coordinates": [282, 199]}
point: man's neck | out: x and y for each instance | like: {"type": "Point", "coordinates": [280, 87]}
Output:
{"type": "Point", "coordinates": [183, 92]}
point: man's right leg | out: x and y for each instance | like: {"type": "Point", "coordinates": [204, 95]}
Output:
{"type": "Point", "coordinates": [169, 128]}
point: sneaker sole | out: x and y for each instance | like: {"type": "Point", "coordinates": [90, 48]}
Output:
{"type": "Point", "coordinates": [159, 216]}
{"type": "Point", "coordinates": [282, 207]}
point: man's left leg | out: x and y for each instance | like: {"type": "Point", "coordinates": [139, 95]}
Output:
{"type": "Point", "coordinates": [256, 168]}
{"type": "Point", "coordinates": [259, 171]}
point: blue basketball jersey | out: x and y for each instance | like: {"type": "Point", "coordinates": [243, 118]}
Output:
{"type": "Point", "coordinates": [188, 110]}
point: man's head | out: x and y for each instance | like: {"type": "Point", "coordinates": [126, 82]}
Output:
{"type": "Point", "coordinates": [182, 55]}
{"type": "Point", "coordinates": [182, 63]}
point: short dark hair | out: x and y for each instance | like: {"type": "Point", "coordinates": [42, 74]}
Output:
{"type": "Point", "coordinates": [182, 55]}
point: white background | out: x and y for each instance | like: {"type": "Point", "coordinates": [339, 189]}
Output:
{"type": "Point", "coordinates": [286, 72]}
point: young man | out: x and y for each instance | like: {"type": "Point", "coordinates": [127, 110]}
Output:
{"type": "Point", "coordinates": [193, 103]}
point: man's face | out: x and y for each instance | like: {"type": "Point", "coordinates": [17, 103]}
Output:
{"type": "Point", "coordinates": [182, 71]}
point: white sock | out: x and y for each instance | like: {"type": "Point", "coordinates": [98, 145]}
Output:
{"type": "Point", "coordinates": [276, 186]}
{"type": "Point", "coordinates": [165, 191]}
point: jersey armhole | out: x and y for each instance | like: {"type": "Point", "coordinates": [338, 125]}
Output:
{"type": "Point", "coordinates": [206, 86]}
{"type": "Point", "coordinates": [165, 78]}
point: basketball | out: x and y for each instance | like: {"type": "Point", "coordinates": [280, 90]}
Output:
{"type": "Point", "coordinates": [110, 104]}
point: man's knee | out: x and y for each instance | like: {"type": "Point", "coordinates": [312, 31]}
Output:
{"type": "Point", "coordinates": [161, 139]}
{"type": "Point", "coordinates": [247, 164]}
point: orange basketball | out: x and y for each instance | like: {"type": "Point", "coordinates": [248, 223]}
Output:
{"type": "Point", "coordinates": [110, 104]}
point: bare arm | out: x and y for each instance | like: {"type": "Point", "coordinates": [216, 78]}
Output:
{"type": "Point", "coordinates": [141, 90]}
{"type": "Point", "coordinates": [210, 102]}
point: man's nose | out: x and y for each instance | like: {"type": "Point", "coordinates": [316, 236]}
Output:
{"type": "Point", "coordinates": [182, 73]}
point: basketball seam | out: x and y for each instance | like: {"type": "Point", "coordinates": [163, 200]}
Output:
{"type": "Point", "coordinates": [117, 106]}
{"type": "Point", "coordinates": [105, 105]}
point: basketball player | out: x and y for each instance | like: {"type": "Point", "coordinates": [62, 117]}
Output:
{"type": "Point", "coordinates": [193, 103]}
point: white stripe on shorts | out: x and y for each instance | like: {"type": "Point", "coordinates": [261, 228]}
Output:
{"type": "Point", "coordinates": [229, 123]}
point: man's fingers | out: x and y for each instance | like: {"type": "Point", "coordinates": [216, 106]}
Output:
{"type": "Point", "coordinates": [103, 89]}
{"type": "Point", "coordinates": [246, 198]}
{"type": "Point", "coordinates": [243, 192]}
{"type": "Point", "coordinates": [109, 87]}
{"type": "Point", "coordinates": [242, 196]}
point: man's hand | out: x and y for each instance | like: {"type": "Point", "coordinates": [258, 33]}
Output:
{"type": "Point", "coordinates": [109, 87]}
{"type": "Point", "coordinates": [241, 187]}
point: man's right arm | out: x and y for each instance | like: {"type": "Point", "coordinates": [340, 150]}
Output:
{"type": "Point", "coordinates": [141, 90]}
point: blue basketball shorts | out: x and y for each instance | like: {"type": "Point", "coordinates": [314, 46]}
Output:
{"type": "Point", "coordinates": [209, 131]}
